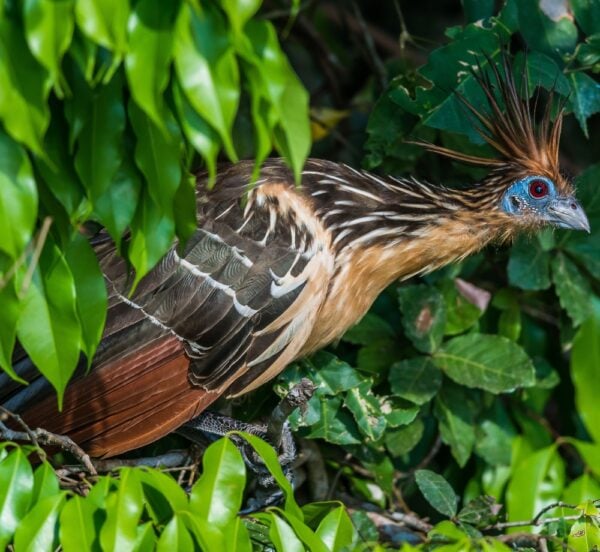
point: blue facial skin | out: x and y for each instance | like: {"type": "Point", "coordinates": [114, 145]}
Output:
{"type": "Point", "coordinates": [518, 201]}
{"type": "Point", "coordinates": [551, 208]}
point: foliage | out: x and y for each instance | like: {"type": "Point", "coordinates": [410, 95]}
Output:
{"type": "Point", "coordinates": [103, 113]}
{"type": "Point", "coordinates": [469, 395]}
{"type": "Point", "coordinates": [145, 509]}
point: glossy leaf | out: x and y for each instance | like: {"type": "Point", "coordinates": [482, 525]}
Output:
{"type": "Point", "coordinates": [37, 531]}
{"type": "Point", "coordinates": [217, 495]}
{"type": "Point", "coordinates": [585, 359]}
{"type": "Point", "coordinates": [124, 508]}
{"type": "Point", "coordinates": [175, 536]}
{"type": "Point", "coordinates": [437, 491]}
{"type": "Point", "coordinates": [237, 538]}
{"type": "Point", "coordinates": [239, 11]}
{"type": "Point", "coordinates": [90, 289]}
{"type": "Point", "coordinates": [18, 197]}
{"type": "Point", "coordinates": [162, 495]}
{"type": "Point", "coordinates": [283, 536]}
{"type": "Point", "coordinates": [336, 530]}
{"type": "Point", "coordinates": [16, 488]}
{"type": "Point", "coordinates": [537, 481]}
{"type": "Point", "coordinates": [488, 362]}
{"type": "Point", "coordinates": [11, 311]}
{"type": "Point", "coordinates": [100, 142]}
{"type": "Point", "coordinates": [269, 457]}
{"type": "Point", "coordinates": [207, 69]}
{"type": "Point", "coordinates": [157, 155]}
{"type": "Point", "coordinates": [587, 15]}
{"type": "Point", "coordinates": [77, 528]}
{"type": "Point", "coordinates": [49, 327]}
{"type": "Point", "coordinates": [370, 328]}
{"type": "Point", "coordinates": [49, 28]}
{"type": "Point", "coordinates": [105, 22]}
{"type": "Point", "coordinates": [150, 28]}
{"type": "Point", "coordinates": [23, 89]}
{"type": "Point", "coordinates": [45, 483]}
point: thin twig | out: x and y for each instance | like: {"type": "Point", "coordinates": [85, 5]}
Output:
{"type": "Point", "coordinates": [40, 436]}
{"type": "Point", "coordinates": [171, 459]}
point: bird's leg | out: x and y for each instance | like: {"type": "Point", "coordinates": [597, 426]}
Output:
{"type": "Point", "coordinates": [276, 432]}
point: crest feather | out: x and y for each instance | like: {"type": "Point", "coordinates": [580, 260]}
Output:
{"type": "Point", "coordinates": [509, 125]}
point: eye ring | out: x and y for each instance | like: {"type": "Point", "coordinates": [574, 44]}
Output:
{"type": "Point", "coordinates": [538, 189]}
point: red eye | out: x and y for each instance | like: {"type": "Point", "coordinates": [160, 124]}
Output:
{"type": "Point", "coordinates": [538, 189]}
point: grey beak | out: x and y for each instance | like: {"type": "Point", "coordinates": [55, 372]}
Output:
{"type": "Point", "coordinates": [566, 212]}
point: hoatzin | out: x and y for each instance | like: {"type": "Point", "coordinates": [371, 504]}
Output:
{"type": "Point", "coordinates": [279, 271]}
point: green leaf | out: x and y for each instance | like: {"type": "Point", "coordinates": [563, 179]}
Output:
{"type": "Point", "coordinates": [424, 316]}
{"type": "Point", "coordinates": [336, 530]}
{"type": "Point", "coordinates": [100, 142]}
{"type": "Point", "coordinates": [456, 417]}
{"type": "Point", "coordinates": [207, 535]}
{"type": "Point", "coordinates": [366, 409]}
{"type": "Point", "coordinates": [331, 375]}
{"type": "Point", "coordinates": [18, 197]}
{"type": "Point", "coordinates": [283, 536]}
{"type": "Point", "coordinates": [45, 483]}
{"type": "Point", "coordinates": [16, 488]}
{"type": "Point", "coordinates": [269, 457]}
{"type": "Point", "coordinates": [476, 10]}
{"type": "Point", "coordinates": [334, 423]}
{"type": "Point", "coordinates": [547, 27]}
{"type": "Point", "coordinates": [157, 155]}
{"type": "Point", "coordinates": [152, 236]}
{"type": "Point", "coordinates": [461, 314]}
{"type": "Point", "coordinates": [529, 265]}
{"type": "Point", "coordinates": [149, 56]}
{"type": "Point", "coordinates": [287, 96]}
{"type": "Point", "coordinates": [416, 380]}
{"type": "Point", "coordinates": [239, 11]}
{"type": "Point", "coordinates": [489, 362]}
{"type": "Point", "coordinates": [573, 290]}
{"type": "Point", "coordinates": [49, 328]}
{"type": "Point", "coordinates": [584, 99]}
{"type": "Point", "coordinates": [105, 22]}
{"type": "Point", "coordinates": [370, 328]}
{"type": "Point", "coordinates": [581, 489]}
{"type": "Point", "coordinates": [587, 15]}
{"type": "Point", "coordinates": [585, 359]}
{"type": "Point", "coordinates": [303, 532]}
{"type": "Point", "coordinates": [199, 133]}
{"type": "Point", "coordinates": [90, 291]}
{"type": "Point", "coordinates": [584, 535]}
{"type": "Point", "coordinates": [175, 536]}
{"type": "Point", "coordinates": [437, 491]}
{"type": "Point", "coordinates": [117, 206]}
{"type": "Point", "coordinates": [163, 496]}
{"type": "Point", "coordinates": [217, 495]}
{"type": "Point", "coordinates": [11, 311]}
{"type": "Point", "coordinates": [402, 440]}
{"type": "Point", "coordinates": [23, 89]}
{"type": "Point", "coordinates": [37, 530]}
{"type": "Point", "coordinates": [146, 538]}
{"type": "Point", "coordinates": [237, 538]}
{"type": "Point", "coordinates": [123, 510]}
{"type": "Point", "coordinates": [77, 529]}
{"type": "Point", "coordinates": [536, 482]}
{"type": "Point", "coordinates": [207, 69]}
{"type": "Point", "coordinates": [379, 355]}
{"type": "Point", "coordinates": [541, 70]}
{"type": "Point", "coordinates": [49, 28]}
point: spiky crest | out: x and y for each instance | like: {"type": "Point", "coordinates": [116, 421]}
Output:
{"type": "Point", "coordinates": [509, 126]}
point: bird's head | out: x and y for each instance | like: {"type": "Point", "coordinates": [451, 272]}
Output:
{"type": "Point", "coordinates": [525, 184]}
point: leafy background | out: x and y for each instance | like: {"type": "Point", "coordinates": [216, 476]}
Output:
{"type": "Point", "coordinates": [478, 380]}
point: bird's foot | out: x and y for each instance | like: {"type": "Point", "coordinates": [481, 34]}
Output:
{"type": "Point", "coordinates": [276, 432]}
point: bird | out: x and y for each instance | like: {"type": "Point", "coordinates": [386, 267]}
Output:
{"type": "Point", "coordinates": [276, 271]}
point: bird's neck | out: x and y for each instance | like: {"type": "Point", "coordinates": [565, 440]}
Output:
{"type": "Point", "coordinates": [419, 229]}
